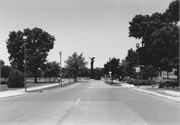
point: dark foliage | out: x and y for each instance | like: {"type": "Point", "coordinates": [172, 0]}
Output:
{"type": "Point", "coordinates": [37, 45]}
{"type": "Point", "coordinates": [16, 79]}
{"type": "Point", "coordinates": [141, 82]}
{"type": "Point", "coordinates": [169, 84]}
{"type": "Point", "coordinates": [160, 37]}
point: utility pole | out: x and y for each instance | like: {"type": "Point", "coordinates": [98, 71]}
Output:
{"type": "Point", "coordinates": [137, 45]}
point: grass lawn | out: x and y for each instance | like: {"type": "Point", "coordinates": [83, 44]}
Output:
{"type": "Point", "coordinates": [30, 83]}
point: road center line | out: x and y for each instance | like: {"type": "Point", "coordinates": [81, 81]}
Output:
{"type": "Point", "coordinates": [77, 101]}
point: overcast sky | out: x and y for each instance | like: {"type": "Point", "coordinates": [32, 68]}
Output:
{"type": "Point", "coordinates": [97, 28]}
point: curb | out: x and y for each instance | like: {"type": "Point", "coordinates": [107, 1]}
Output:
{"type": "Point", "coordinates": [175, 99]}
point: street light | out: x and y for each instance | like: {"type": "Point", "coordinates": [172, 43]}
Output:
{"type": "Point", "coordinates": [137, 45]}
{"type": "Point", "coordinates": [25, 38]}
{"type": "Point", "coordinates": [60, 53]}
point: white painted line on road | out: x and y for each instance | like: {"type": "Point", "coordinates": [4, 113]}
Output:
{"type": "Point", "coordinates": [77, 101]}
{"type": "Point", "coordinates": [85, 90]}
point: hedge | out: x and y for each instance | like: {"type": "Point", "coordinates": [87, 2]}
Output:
{"type": "Point", "coordinates": [141, 82]}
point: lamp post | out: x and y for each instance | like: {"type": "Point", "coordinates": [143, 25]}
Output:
{"type": "Point", "coordinates": [137, 45]}
{"type": "Point", "coordinates": [25, 38]}
{"type": "Point", "coordinates": [60, 53]}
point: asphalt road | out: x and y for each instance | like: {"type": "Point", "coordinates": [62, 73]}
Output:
{"type": "Point", "coordinates": [89, 102]}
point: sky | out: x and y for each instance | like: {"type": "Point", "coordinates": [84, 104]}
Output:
{"type": "Point", "coordinates": [96, 28]}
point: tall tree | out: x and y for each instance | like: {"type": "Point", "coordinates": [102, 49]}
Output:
{"type": "Point", "coordinates": [52, 69]}
{"type": "Point", "coordinates": [38, 44]}
{"type": "Point", "coordinates": [172, 13]}
{"type": "Point", "coordinates": [76, 63]}
{"type": "Point", "coordinates": [98, 72]}
{"type": "Point", "coordinates": [131, 58]}
{"type": "Point", "coordinates": [148, 72]}
{"type": "Point", "coordinates": [123, 69]}
{"type": "Point", "coordinates": [85, 72]}
{"type": "Point", "coordinates": [106, 68]}
{"type": "Point", "coordinates": [159, 33]}
{"type": "Point", "coordinates": [131, 62]}
{"type": "Point", "coordinates": [113, 66]}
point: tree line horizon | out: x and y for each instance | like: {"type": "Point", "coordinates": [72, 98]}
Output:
{"type": "Point", "coordinates": [159, 50]}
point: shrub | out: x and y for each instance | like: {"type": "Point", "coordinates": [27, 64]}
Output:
{"type": "Point", "coordinates": [16, 79]}
{"type": "Point", "coordinates": [168, 84]}
{"type": "Point", "coordinates": [142, 82]}
{"type": "Point", "coordinates": [130, 81]}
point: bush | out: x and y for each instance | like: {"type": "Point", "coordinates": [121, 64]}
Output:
{"type": "Point", "coordinates": [16, 79]}
{"type": "Point", "coordinates": [141, 82]}
{"type": "Point", "coordinates": [168, 84]}
{"type": "Point", "coordinates": [130, 81]}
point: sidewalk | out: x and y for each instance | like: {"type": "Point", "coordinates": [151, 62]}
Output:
{"type": "Point", "coordinates": [170, 95]}
{"type": "Point", "coordinates": [167, 94]}
{"type": "Point", "coordinates": [21, 91]}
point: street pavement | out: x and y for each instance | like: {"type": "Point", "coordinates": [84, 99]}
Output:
{"type": "Point", "coordinates": [90, 102]}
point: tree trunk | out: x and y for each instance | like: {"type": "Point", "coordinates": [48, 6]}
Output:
{"type": "Point", "coordinates": [75, 78]}
{"type": "Point", "coordinates": [35, 77]}
{"type": "Point", "coordinates": [50, 78]}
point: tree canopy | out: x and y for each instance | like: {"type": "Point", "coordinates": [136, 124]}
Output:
{"type": "Point", "coordinates": [76, 63]}
{"type": "Point", "coordinates": [52, 69]}
{"type": "Point", "coordinates": [38, 44]}
{"type": "Point", "coordinates": [159, 33]}
{"type": "Point", "coordinates": [113, 66]}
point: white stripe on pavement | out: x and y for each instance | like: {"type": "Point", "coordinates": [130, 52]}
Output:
{"type": "Point", "coordinates": [77, 101]}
